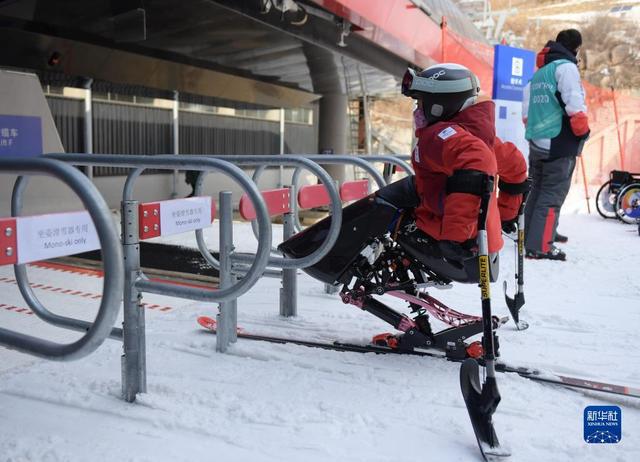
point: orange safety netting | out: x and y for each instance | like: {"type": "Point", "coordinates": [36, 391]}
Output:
{"type": "Point", "coordinates": [614, 144]}
{"type": "Point", "coordinates": [614, 115]}
{"type": "Point", "coordinates": [476, 56]}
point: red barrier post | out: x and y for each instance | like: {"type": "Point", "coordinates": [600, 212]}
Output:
{"type": "Point", "coordinates": [584, 181]}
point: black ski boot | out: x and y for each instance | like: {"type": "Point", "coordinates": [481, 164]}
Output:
{"type": "Point", "coordinates": [553, 254]}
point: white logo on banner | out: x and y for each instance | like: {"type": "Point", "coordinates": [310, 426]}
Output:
{"type": "Point", "coordinates": [517, 66]}
{"type": "Point", "coordinates": [180, 215]}
{"type": "Point", "coordinates": [41, 237]}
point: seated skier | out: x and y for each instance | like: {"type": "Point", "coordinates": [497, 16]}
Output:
{"type": "Point", "coordinates": [457, 145]}
{"type": "Point", "coordinates": [422, 230]}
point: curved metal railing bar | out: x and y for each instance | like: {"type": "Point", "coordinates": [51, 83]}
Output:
{"type": "Point", "coordinates": [329, 159]}
{"type": "Point", "coordinates": [190, 162]}
{"type": "Point", "coordinates": [99, 212]}
{"type": "Point", "coordinates": [336, 211]}
{"type": "Point", "coordinates": [394, 160]}
{"type": "Point", "coordinates": [22, 279]}
{"type": "Point", "coordinates": [344, 159]}
{"type": "Point", "coordinates": [256, 177]}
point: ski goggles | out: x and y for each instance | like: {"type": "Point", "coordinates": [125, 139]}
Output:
{"type": "Point", "coordinates": [407, 83]}
{"type": "Point", "coordinates": [413, 84]}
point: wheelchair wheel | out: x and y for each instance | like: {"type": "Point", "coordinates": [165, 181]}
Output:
{"type": "Point", "coordinates": [628, 203]}
{"type": "Point", "coordinates": [606, 202]}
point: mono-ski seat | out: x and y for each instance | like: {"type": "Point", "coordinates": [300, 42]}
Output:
{"type": "Point", "coordinates": [424, 249]}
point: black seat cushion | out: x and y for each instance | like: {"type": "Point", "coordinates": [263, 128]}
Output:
{"type": "Point", "coordinates": [424, 249]}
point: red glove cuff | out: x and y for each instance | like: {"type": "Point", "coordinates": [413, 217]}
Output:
{"type": "Point", "coordinates": [579, 123]}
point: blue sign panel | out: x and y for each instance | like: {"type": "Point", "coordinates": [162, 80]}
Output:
{"type": "Point", "coordinates": [512, 70]}
{"type": "Point", "coordinates": [20, 135]}
{"type": "Point", "coordinates": [602, 424]}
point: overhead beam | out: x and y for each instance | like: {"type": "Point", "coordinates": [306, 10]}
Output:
{"type": "Point", "coordinates": [34, 49]}
{"type": "Point", "coordinates": [324, 34]}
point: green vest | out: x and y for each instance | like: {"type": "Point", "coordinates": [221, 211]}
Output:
{"type": "Point", "coordinates": [544, 118]}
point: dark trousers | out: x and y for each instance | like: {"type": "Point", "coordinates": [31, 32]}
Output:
{"type": "Point", "coordinates": [551, 180]}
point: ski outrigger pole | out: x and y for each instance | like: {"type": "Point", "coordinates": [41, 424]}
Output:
{"type": "Point", "coordinates": [482, 400]}
{"type": "Point", "coordinates": [514, 304]}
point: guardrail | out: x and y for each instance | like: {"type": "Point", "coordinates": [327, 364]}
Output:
{"type": "Point", "coordinates": [238, 272]}
{"type": "Point", "coordinates": [321, 194]}
{"type": "Point", "coordinates": [316, 196]}
{"type": "Point", "coordinates": [135, 284]}
{"type": "Point", "coordinates": [288, 299]}
{"type": "Point", "coordinates": [390, 164]}
{"type": "Point", "coordinates": [19, 228]}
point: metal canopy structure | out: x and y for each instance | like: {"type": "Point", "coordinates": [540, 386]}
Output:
{"type": "Point", "coordinates": [253, 52]}
{"type": "Point", "coordinates": [269, 53]}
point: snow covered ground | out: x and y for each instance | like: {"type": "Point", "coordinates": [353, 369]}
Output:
{"type": "Point", "coordinates": [266, 402]}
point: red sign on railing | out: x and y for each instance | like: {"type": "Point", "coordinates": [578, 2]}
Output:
{"type": "Point", "coordinates": [354, 190]}
{"type": "Point", "coordinates": [8, 242]}
{"type": "Point", "coordinates": [278, 201]}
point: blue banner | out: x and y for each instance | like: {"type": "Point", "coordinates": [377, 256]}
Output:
{"type": "Point", "coordinates": [602, 424]}
{"type": "Point", "coordinates": [512, 70]}
{"type": "Point", "coordinates": [20, 135]}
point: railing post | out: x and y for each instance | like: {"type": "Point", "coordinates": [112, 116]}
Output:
{"type": "Point", "coordinates": [330, 288]}
{"type": "Point", "coordinates": [289, 289]}
{"type": "Point", "coordinates": [282, 145]}
{"type": "Point", "coordinates": [225, 321]}
{"type": "Point", "coordinates": [175, 119]}
{"type": "Point", "coordinates": [134, 378]}
{"type": "Point", "coordinates": [88, 124]}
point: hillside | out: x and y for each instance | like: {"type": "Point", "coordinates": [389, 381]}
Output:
{"type": "Point", "coordinates": [610, 56]}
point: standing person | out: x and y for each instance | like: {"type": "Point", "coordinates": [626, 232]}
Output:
{"type": "Point", "coordinates": [557, 125]}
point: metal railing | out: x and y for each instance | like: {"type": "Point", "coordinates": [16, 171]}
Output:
{"type": "Point", "coordinates": [288, 295]}
{"type": "Point", "coordinates": [390, 162]}
{"type": "Point", "coordinates": [101, 328]}
{"type": "Point", "coordinates": [135, 284]}
{"type": "Point", "coordinates": [238, 272]}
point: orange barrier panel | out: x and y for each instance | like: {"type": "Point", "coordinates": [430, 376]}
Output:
{"type": "Point", "coordinates": [354, 190]}
{"type": "Point", "coordinates": [311, 196]}
{"type": "Point", "coordinates": [277, 201]}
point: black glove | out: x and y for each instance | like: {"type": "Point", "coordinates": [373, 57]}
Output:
{"type": "Point", "coordinates": [509, 226]}
{"type": "Point", "coordinates": [454, 250]}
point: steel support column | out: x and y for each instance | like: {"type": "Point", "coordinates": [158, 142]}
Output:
{"type": "Point", "coordinates": [332, 136]}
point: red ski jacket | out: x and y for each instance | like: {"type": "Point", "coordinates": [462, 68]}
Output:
{"type": "Point", "coordinates": [466, 142]}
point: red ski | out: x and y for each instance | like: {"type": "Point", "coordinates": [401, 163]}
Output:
{"type": "Point", "coordinates": [211, 324]}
